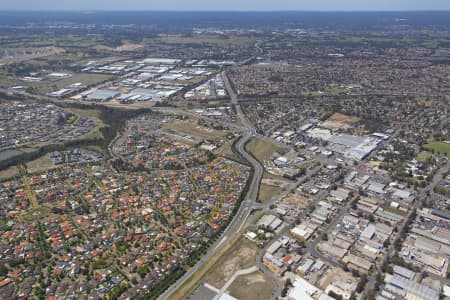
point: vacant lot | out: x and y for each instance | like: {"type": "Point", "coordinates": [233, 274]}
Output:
{"type": "Point", "coordinates": [253, 286]}
{"type": "Point", "coordinates": [340, 121]}
{"type": "Point", "coordinates": [196, 131]}
{"type": "Point", "coordinates": [21, 55]}
{"type": "Point", "coordinates": [262, 149]}
{"type": "Point", "coordinates": [214, 265]}
{"type": "Point", "coordinates": [241, 256]}
{"type": "Point", "coordinates": [227, 152]}
{"type": "Point", "coordinates": [423, 156]}
{"type": "Point", "coordinates": [48, 85]}
{"type": "Point", "coordinates": [209, 40]}
{"type": "Point", "coordinates": [275, 181]}
{"type": "Point", "coordinates": [87, 113]}
{"type": "Point", "coordinates": [87, 79]}
{"type": "Point", "coordinates": [296, 200]}
{"type": "Point", "coordinates": [9, 173]}
{"type": "Point", "coordinates": [41, 164]}
{"type": "Point", "coordinates": [124, 47]}
{"type": "Point", "coordinates": [267, 192]}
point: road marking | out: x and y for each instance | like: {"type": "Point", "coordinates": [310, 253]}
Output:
{"type": "Point", "coordinates": [243, 223]}
{"type": "Point", "coordinates": [221, 242]}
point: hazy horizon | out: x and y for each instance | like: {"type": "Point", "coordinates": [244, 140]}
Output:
{"type": "Point", "coordinates": [231, 5]}
{"type": "Point", "coordinates": [211, 10]}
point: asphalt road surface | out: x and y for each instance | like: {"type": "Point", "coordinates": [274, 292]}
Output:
{"type": "Point", "coordinates": [249, 202]}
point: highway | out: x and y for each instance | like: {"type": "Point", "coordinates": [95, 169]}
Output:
{"type": "Point", "coordinates": [234, 101]}
{"type": "Point", "coordinates": [177, 111]}
{"type": "Point", "coordinates": [249, 202]}
{"type": "Point", "coordinates": [29, 95]}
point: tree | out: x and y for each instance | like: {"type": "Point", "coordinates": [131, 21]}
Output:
{"type": "Point", "coordinates": [361, 284]}
{"type": "Point", "coordinates": [3, 270]}
{"type": "Point", "coordinates": [379, 281]}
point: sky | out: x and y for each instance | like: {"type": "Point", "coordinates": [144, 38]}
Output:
{"type": "Point", "coordinates": [228, 5]}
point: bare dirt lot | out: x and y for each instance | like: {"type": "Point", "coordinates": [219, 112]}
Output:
{"type": "Point", "coordinates": [297, 200]}
{"type": "Point", "coordinates": [267, 192]}
{"type": "Point", "coordinates": [18, 55]}
{"type": "Point", "coordinates": [41, 164]}
{"type": "Point", "coordinates": [275, 182]}
{"type": "Point", "coordinates": [263, 149]}
{"type": "Point", "coordinates": [254, 286]}
{"type": "Point", "coordinates": [194, 130]}
{"type": "Point", "coordinates": [241, 256]}
{"type": "Point", "coordinates": [341, 121]}
{"type": "Point", "coordinates": [9, 173]}
{"type": "Point", "coordinates": [122, 48]}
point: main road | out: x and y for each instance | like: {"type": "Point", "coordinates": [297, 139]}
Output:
{"type": "Point", "coordinates": [370, 286]}
{"type": "Point", "coordinates": [249, 202]}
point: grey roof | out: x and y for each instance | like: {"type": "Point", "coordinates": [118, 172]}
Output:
{"type": "Point", "coordinates": [347, 140]}
{"type": "Point", "coordinates": [440, 214]}
{"type": "Point", "coordinates": [414, 288]}
{"type": "Point", "coordinates": [404, 272]}
{"type": "Point", "coordinates": [102, 95]}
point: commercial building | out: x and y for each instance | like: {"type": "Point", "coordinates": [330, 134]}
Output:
{"type": "Point", "coordinates": [102, 95]}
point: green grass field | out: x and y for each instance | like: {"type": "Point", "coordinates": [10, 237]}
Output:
{"type": "Point", "coordinates": [262, 149]}
{"type": "Point", "coordinates": [423, 156]}
{"type": "Point", "coordinates": [267, 192]}
{"type": "Point", "coordinates": [34, 214]}
{"type": "Point", "coordinates": [41, 164]}
{"type": "Point", "coordinates": [441, 147]}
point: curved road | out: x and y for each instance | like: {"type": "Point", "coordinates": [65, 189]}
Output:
{"type": "Point", "coordinates": [247, 204]}
{"type": "Point", "coordinates": [250, 200]}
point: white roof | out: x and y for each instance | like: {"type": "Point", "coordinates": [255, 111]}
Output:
{"type": "Point", "coordinates": [302, 290]}
{"type": "Point", "coordinates": [401, 193]}
{"type": "Point", "coordinates": [274, 247]}
{"type": "Point", "coordinates": [161, 61]}
{"type": "Point", "coordinates": [368, 232]}
{"type": "Point", "coordinates": [303, 268]}
{"type": "Point", "coordinates": [266, 220]}
{"type": "Point", "coordinates": [297, 293]}
{"type": "Point", "coordinates": [446, 290]}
